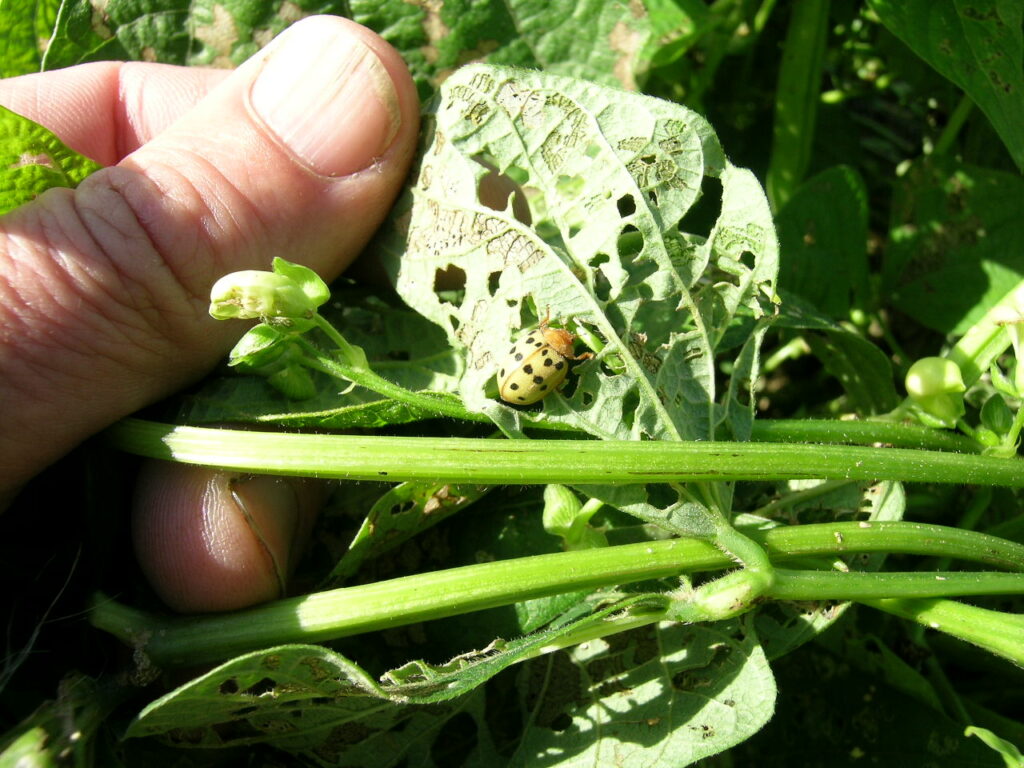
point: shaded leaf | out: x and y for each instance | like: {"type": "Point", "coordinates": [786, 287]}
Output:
{"type": "Point", "coordinates": [861, 367]}
{"type": "Point", "coordinates": [653, 698]}
{"type": "Point", "coordinates": [823, 235]}
{"type": "Point", "coordinates": [979, 45]}
{"type": "Point", "coordinates": [957, 243]}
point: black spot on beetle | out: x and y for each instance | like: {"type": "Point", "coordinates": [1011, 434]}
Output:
{"type": "Point", "coordinates": [529, 339]}
{"type": "Point", "coordinates": [519, 356]}
{"type": "Point", "coordinates": [548, 362]}
{"type": "Point", "coordinates": [543, 387]}
{"type": "Point", "coordinates": [501, 374]}
{"type": "Point", "coordinates": [520, 398]}
{"type": "Point", "coordinates": [527, 369]}
{"type": "Point", "coordinates": [538, 344]}
{"type": "Point", "coordinates": [513, 386]}
{"type": "Point", "coordinates": [559, 365]}
{"type": "Point", "coordinates": [538, 379]}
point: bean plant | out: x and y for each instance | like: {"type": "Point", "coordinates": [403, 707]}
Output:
{"type": "Point", "coordinates": [772, 510]}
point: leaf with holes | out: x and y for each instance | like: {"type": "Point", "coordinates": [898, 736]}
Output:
{"type": "Point", "coordinates": [310, 700]}
{"type": "Point", "coordinates": [618, 214]}
{"type": "Point", "coordinates": [659, 696]}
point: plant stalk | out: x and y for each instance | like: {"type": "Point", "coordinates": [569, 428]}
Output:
{"type": "Point", "coordinates": [175, 641]}
{"type": "Point", "coordinates": [471, 460]}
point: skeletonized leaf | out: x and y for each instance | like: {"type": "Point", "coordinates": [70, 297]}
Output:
{"type": "Point", "coordinates": [542, 194]}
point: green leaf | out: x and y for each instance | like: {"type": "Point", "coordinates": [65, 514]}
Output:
{"type": "Point", "coordinates": [541, 193]}
{"type": "Point", "coordinates": [833, 713]}
{"type": "Point", "coordinates": [202, 33]}
{"type": "Point", "coordinates": [863, 370]}
{"type": "Point", "coordinates": [957, 243]}
{"type": "Point", "coordinates": [1009, 752]}
{"type": "Point", "coordinates": [33, 160]}
{"type": "Point", "coordinates": [316, 290]}
{"type": "Point", "coordinates": [785, 627]}
{"type": "Point", "coordinates": [979, 45]}
{"type": "Point", "coordinates": [796, 99]}
{"type": "Point", "coordinates": [265, 689]}
{"type": "Point", "coordinates": [65, 731]}
{"type": "Point", "coordinates": [823, 235]}
{"type": "Point", "coordinates": [675, 27]}
{"type": "Point", "coordinates": [676, 694]}
{"type": "Point", "coordinates": [604, 41]}
{"type": "Point", "coordinates": [399, 514]}
{"type": "Point", "coordinates": [689, 691]}
{"type": "Point", "coordinates": [25, 25]}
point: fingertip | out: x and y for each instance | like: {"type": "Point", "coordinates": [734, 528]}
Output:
{"type": "Point", "coordinates": [209, 540]}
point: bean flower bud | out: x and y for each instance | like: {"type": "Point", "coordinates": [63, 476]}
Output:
{"type": "Point", "coordinates": [256, 295]}
{"type": "Point", "coordinates": [936, 387]}
{"type": "Point", "coordinates": [290, 291]}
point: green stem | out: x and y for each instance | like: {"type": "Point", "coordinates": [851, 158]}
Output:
{"type": "Point", "coordinates": [480, 460]}
{"type": "Point", "coordinates": [999, 633]}
{"type": "Point", "coordinates": [791, 350]}
{"type": "Point", "coordinates": [953, 126]}
{"type": "Point", "coordinates": [1011, 438]}
{"type": "Point", "coordinates": [861, 432]}
{"type": "Point", "coordinates": [904, 537]}
{"type": "Point", "coordinates": [969, 520]}
{"type": "Point", "coordinates": [382, 605]}
{"type": "Point", "coordinates": [835, 585]}
{"type": "Point", "coordinates": [395, 602]}
{"type": "Point", "coordinates": [364, 377]}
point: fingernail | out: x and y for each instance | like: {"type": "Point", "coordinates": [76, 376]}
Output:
{"type": "Point", "coordinates": [271, 510]}
{"type": "Point", "coordinates": [327, 97]}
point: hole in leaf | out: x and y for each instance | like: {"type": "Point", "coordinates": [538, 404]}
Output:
{"type": "Point", "coordinates": [599, 259]}
{"type": "Point", "coordinates": [574, 230]}
{"type": "Point", "coordinates": [638, 272]}
{"type": "Point", "coordinates": [228, 687]}
{"type": "Point", "coordinates": [626, 205]}
{"type": "Point", "coordinates": [570, 186]}
{"type": "Point", "coordinates": [703, 214]}
{"type": "Point", "coordinates": [450, 278]}
{"type": "Point", "coordinates": [495, 189]}
{"type": "Point", "coordinates": [630, 242]}
{"type": "Point", "coordinates": [561, 722]}
{"type": "Point", "coordinates": [661, 496]}
{"type": "Point", "coordinates": [602, 286]}
{"type": "Point", "coordinates": [401, 509]}
{"type": "Point", "coordinates": [629, 405]}
{"type": "Point", "coordinates": [492, 282]}
{"type": "Point", "coordinates": [265, 685]}
{"type": "Point", "coordinates": [747, 260]}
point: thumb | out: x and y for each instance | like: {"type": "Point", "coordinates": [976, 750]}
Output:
{"type": "Point", "coordinates": [104, 289]}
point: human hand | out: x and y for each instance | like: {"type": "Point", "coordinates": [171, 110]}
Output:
{"type": "Point", "coordinates": [104, 289]}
